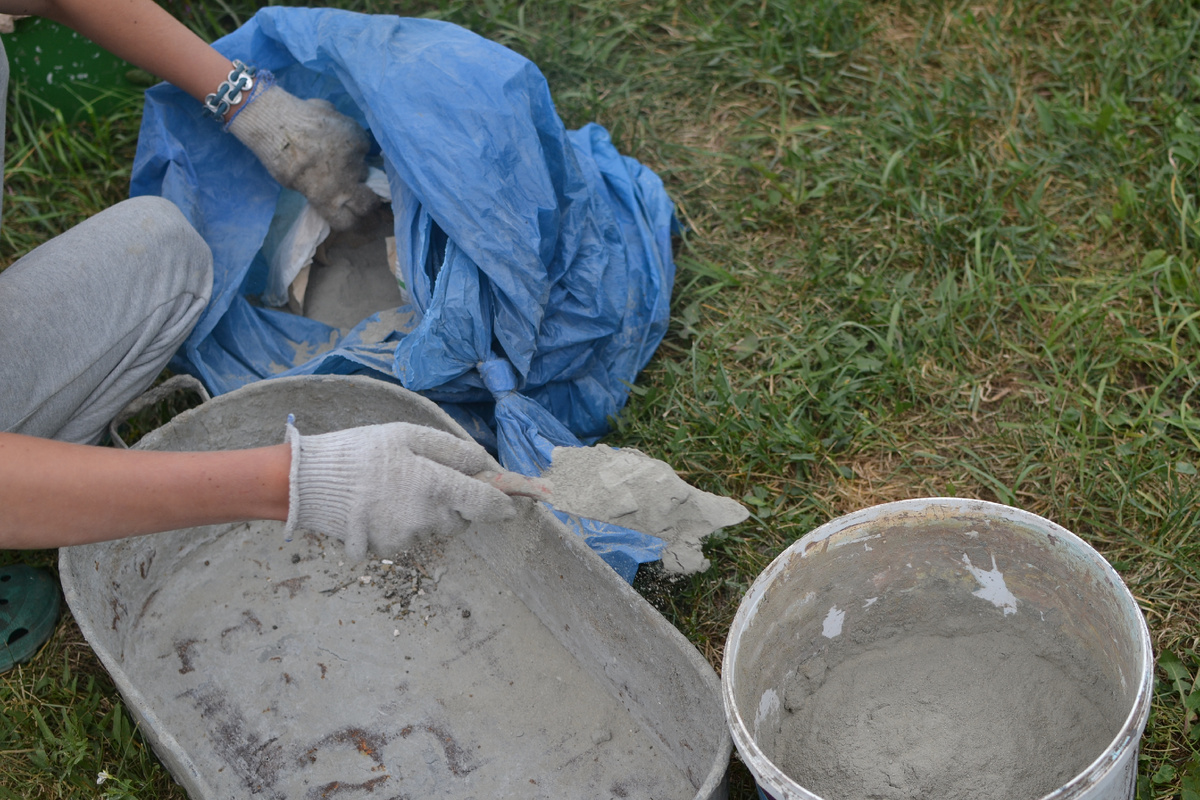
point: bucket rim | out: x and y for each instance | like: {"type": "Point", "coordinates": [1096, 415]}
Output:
{"type": "Point", "coordinates": [783, 787]}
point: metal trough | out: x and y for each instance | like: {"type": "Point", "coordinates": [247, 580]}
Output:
{"type": "Point", "coordinates": [508, 662]}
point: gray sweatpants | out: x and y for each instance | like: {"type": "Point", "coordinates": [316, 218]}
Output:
{"type": "Point", "coordinates": [89, 319]}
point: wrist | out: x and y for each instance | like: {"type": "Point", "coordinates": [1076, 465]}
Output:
{"type": "Point", "coordinates": [236, 91]}
{"type": "Point", "coordinates": [234, 108]}
{"type": "Point", "coordinates": [264, 81]}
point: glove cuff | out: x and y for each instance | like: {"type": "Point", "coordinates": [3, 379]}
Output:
{"type": "Point", "coordinates": [293, 439]}
{"type": "Point", "coordinates": [321, 475]}
{"type": "Point", "coordinates": [264, 81]}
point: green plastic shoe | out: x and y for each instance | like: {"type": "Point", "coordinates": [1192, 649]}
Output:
{"type": "Point", "coordinates": [28, 610]}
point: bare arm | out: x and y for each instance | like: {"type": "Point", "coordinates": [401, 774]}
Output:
{"type": "Point", "coordinates": [140, 32]}
{"type": "Point", "coordinates": [308, 147]}
{"type": "Point", "coordinates": [54, 494]}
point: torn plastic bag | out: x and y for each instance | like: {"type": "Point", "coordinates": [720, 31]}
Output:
{"type": "Point", "coordinates": [538, 253]}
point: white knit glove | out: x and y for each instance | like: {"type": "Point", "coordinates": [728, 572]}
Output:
{"type": "Point", "coordinates": [380, 487]}
{"type": "Point", "coordinates": [308, 146]}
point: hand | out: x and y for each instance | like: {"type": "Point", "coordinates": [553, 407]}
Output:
{"type": "Point", "coordinates": [308, 146]}
{"type": "Point", "coordinates": [380, 487]}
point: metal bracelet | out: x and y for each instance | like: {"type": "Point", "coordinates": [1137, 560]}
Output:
{"type": "Point", "coordinates": [263, 81]}
{"type": "Point", "coordinates": [229, 93]}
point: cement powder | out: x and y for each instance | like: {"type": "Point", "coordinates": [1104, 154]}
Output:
{"type": "Point", "coordinates": [350, 277]}
{"type": "Point", "coordinates": [629, 488]}
{"type": "Point", "coordinates": [989, 715]}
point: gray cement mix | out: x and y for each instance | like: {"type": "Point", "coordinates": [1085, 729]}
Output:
{"type": "Point", "coordinates": [425, 677]}
{"type": "Point", "coordinates": [629, 488]}
{"type": "Point", "coordinates": [981, 706]}
{"type": "Point", "coordinates": [350, 277]}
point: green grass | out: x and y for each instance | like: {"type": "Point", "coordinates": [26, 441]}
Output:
{"type": "Point", "coordinates": [932, 249]}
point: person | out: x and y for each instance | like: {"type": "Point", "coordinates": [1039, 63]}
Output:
{"type": "Point", "coordinates": [89, 319]}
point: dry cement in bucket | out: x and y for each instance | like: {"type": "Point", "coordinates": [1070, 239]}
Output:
{"type": "Point", "coordinates": [938, 652]}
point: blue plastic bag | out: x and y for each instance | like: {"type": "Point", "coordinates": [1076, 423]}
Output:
{"type": "Point", "coordinates": [538, 259]}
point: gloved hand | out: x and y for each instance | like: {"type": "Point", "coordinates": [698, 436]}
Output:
{"type": "Point", "coordinates": [383, 486]}
{"type": "Point", "coordinates": [308, 146]}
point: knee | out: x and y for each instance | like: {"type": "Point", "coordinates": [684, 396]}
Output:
{"type": "Point", "coordinates": [155, 227]}
{"type": "Point", "coordinates": [161, 221]}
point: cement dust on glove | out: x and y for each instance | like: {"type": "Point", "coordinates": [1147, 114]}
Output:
{"type": "Point", "coordinates": [626, 487]}
{"type": "Point", "coordinates": [308, 146]}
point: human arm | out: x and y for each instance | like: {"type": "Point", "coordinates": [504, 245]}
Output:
{"type": "Point", "coordinates": [140, 32]}
{"type": "Point", "coordinates": [376, 487]}
{"type": "Point", "coordinates": [306, 145]}
{"type": "Point", "coordinates": [55, 494]}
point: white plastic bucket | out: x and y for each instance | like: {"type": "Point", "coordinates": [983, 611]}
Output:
{"type": "Point", "coordinates": [875, 585]}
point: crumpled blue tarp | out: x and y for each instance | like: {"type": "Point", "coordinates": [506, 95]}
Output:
{"type": "Point", "coordinates": [538, 259]}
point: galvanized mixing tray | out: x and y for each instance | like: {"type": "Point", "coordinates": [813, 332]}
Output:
{"type": "Point", "coordinates": [508, 662]}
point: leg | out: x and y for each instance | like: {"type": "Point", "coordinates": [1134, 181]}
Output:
{"type": "Point", "coordinates": [89, 319]}
{"type": "Point", "coordinates": [3, 107]}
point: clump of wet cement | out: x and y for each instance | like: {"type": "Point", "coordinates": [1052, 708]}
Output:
{"type": "Point", "coordinates": [1006, 712]}
{"type": "Point", "coordinates": [629, 488]}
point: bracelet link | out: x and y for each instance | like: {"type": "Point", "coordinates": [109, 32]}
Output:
{"type": "Point", "coordinates": [229, 93]}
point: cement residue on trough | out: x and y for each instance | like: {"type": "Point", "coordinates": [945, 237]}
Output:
{"type": "Point", "coordinates": [514, 663]}
{"type": "Point", "coordinates": [394, 583]}
{"type": "Point", "coordinates": [288, 670]}
{"type": "Point", "coordinates": [629, 488]}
